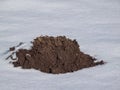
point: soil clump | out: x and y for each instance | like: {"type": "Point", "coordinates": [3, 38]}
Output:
{"type": "Point", "coordinates": [54, 55]}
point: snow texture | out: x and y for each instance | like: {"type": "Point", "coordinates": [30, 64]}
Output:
{"type": "Point", "coordinates": [94, 23]}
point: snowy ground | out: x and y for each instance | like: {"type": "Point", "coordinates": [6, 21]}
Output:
{"type": "Point", "coordinates": [94, 23]}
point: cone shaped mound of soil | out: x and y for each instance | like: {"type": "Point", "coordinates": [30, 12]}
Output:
{"type": "Point", "coordinates": [54, 55]}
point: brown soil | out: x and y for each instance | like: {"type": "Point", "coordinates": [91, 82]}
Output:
{"type": "Point", "coordinates": [12, 49]}
{"type": "Point", "coordinates": [54, 55]}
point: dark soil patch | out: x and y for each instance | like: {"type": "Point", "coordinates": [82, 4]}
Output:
{"type": "Point", "coordinates": [54, 55]}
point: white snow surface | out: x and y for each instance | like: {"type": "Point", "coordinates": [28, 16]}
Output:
{"type": "Point", "coordinates": [95, 24]}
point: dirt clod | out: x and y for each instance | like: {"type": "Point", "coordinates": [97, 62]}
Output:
{"type": "Point", "coordinates": [54, 55]}
{"type": "Point", "coordinates": [11, 48]}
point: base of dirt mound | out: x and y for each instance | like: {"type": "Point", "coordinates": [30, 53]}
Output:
{"type": "Point", "coordinates": [54, 55]}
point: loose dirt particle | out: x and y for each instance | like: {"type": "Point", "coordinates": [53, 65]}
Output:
{"type": "Point", "coordinates": [12, 49]}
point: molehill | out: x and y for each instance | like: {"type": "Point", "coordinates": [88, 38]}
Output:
{"type": "Point", "coordinates": [54, 55]}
